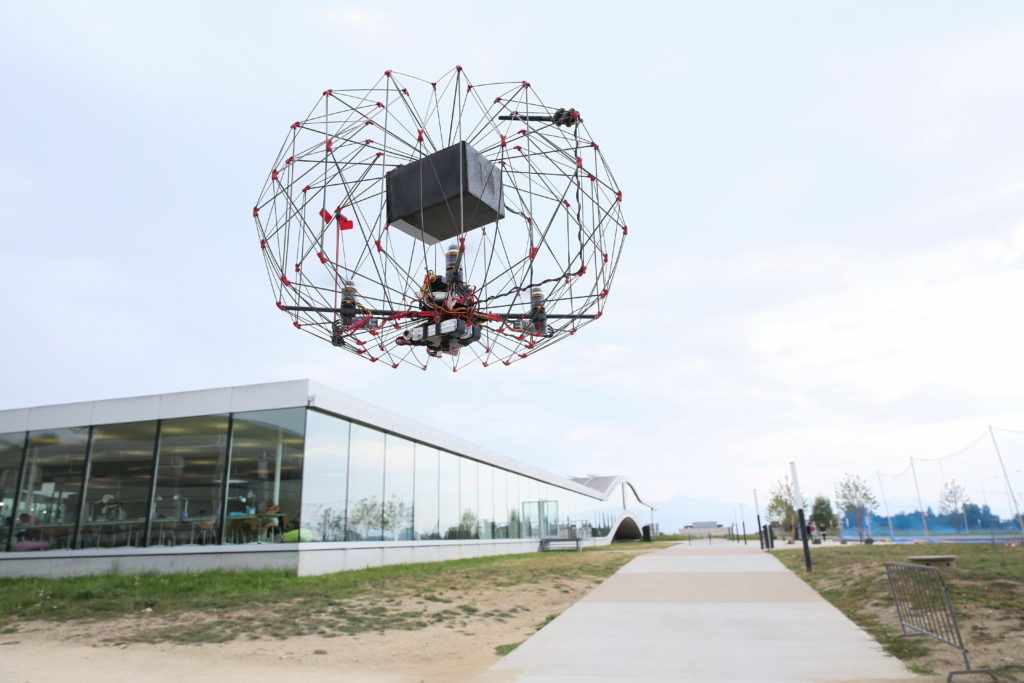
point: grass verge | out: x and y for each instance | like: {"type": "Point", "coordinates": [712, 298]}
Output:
{"type": "Point", "coordinates": [986, 589]}
{"type": "Point", "coordinates": [222, 606]}
{"type": "Point", "coordinates": [503, 650]}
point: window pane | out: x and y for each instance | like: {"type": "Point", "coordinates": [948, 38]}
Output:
{"type": "Point", "coordinates": [366, 484]}
{"type": "Point", "coordinates": [426, 499]}
{"type": "Point", "coordinates": [324, 477]}
{"type": "Point", "coordinates": [563, 512]}
{"type": "Point", "coordinates": [469, 519]}
{"type": "Point", "coordinates": [11, 448]}
{"type": "Point", "coordinates": [531, 507]}
{"type": "Point", "coordinates": [265, 482]}
{"type": "Point", "coordinates": [48, 507]}
{"type": "Point", "coordinates": [549, 518]}
{"type": "Point", "coordinates": [120, 479]}
{"type": "Point", "coordinates": [398, 489]}
{"type": "Point", "coordinates": [450, 511]}
{"type": "Point", "coordinates": [500, 503]}
{"type": "Point", "coordinates": [190, 473]}
{"type": "Point", "coordinates": [515, 506]}
{"type": "Point", "coordinates": [565, 509]}
{"type": "Point", "coordinates": [485, 498]}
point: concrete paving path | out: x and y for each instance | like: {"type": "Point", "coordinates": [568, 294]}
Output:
{"type": "Point", "coordinates": [724, 612]}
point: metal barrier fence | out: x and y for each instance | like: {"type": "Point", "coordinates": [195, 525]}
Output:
{"type": "Point", "coordinates": [922, 601]}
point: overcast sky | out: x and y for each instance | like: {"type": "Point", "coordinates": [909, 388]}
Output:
{"type": "Point", "coordinates": [826, 206]}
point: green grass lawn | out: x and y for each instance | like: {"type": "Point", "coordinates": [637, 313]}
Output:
{"type": "Point", "coordinates": [986, 588]}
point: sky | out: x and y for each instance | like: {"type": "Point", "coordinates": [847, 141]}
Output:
{"type": "Point", "coordinates": [825, 200]}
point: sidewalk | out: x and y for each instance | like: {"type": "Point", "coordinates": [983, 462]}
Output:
{"type": "Point", "coordinates": [724, 612]}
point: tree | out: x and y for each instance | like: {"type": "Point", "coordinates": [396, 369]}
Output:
{"type": "Point", "coordinates": [854, 497]}
{"type": "Point", "coordinates": [398, 518]}
{"type": "Point", "coordinates": [331, 524]}
{"type": "Point", "coordinates": [468, 525]}
{"type": "Point", "coordinates": [364, 519]}
{"type": "Point", "coordinates": [780, 505]}
{"type": "Point", "coordinates": [821, 514]}
{"type": "Point", "coordinates": [953, 501]}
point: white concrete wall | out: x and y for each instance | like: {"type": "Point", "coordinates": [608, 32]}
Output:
{"type": "Point", "coordinates": [326, 558]}
{"type": "Point", "coordinates": [59, 563]}
{"type": "Point", "coordinates": [307, 559]}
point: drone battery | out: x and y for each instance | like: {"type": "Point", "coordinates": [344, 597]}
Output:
{"type": "Point", "coordinates": [434, 333]}
{"type": "Point", "coordinates": [444, 194]}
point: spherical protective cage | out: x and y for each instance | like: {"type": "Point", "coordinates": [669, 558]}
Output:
{"type": "Point", "coordinates": [342, 273]}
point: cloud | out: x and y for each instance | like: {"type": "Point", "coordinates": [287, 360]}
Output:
{"type": "Point", "coordinates": [941, 318]}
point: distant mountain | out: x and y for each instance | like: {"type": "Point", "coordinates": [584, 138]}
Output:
{"type": "Point", "coordinates": [675, 513]}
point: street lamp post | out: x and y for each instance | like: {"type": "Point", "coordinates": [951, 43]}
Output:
{"type": "Point", "coordinates": [757, 513]}
{"type": "Point", "coordinates": [799, 504]}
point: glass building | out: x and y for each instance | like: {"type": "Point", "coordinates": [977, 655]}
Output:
{"type": "Point", "coordinates": [289, 474]}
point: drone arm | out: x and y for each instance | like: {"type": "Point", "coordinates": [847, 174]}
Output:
{"type": "Point", "coordinates": [424, 314]}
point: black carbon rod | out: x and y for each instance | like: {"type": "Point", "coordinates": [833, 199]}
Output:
{"type": "Point", "coordinates": [506, 317]}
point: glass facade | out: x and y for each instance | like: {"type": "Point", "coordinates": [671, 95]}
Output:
{"type": "Point", "coordinates": [47, 509]}
{"type": "Point", "coordinates": [325, 478]}
{"type": "Point", "coordinates": [12, 450]}
{"type": "Point", "coordinates": [264, 480]}
{"type": "Point", "coordinates": [366, 484]}
{"type": "Point", "coordinates": [119, 484]}
{"type": "Point", "coordinates": [286, 475]}
{"type": "Point", "coordinates": [426, 500]}
{"type": "Point", "coordinates": [190, 465]}
{"type": "Point", "coordinates": [399, 460]}
{"type": "Point", "coordinates": [449, 510]}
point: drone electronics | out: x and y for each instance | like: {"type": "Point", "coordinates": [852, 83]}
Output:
{"type": "Point", "coordinates": [440, 221]}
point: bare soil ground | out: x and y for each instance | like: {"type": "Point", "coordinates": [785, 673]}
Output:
{"type": "Point", "coordinates": [445, 633]}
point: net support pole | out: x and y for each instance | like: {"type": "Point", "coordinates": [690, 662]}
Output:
{"type": "Point", "coordinates": [892, 534]}
{"type": "Point", "coordinates": [920, 505]}
{"type": "Point", "coordinates": [1006, 478]}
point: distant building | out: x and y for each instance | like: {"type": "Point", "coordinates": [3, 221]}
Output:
{"type": "Point", "coordinates": [704, 529]}
{"type": "Point", "coordinates": [289, 475]}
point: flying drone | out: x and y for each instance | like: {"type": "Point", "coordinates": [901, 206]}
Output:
{"type": "Point", "coordinates": [422, 221]}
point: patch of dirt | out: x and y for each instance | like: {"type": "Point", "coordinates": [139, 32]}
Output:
{"type": "Point", "coordinates": [444, 636]}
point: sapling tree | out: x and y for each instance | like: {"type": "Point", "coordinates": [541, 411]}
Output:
{"type": "Point", "coordinates": [780, 505]}
{"type": "Point", "coordinates": [822, 515]}
{"type": "Point", "coordinates": [953, 501]}
{"type": "Point", "coordinates": [854, 497]}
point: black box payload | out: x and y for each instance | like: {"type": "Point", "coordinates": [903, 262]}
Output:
{"type": "Point", "coordinates": [430, 198]}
